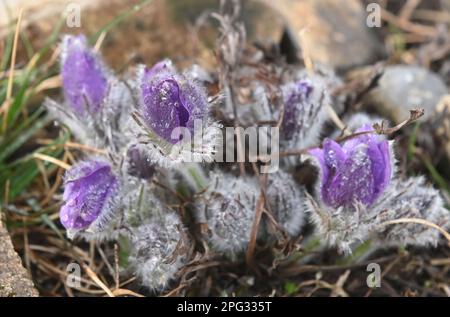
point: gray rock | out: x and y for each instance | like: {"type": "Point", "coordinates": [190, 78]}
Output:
{"type": "Point", "coordinates": [445, 72]}
{"type": "Point", "coordinates": [336, 31]}
{"type": "Point", "coordinates": [402, 88]}
{"type": "Point", "coordinates": [14, 280]}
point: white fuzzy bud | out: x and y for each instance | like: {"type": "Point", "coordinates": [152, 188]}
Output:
{"type": "Point", "coordinates": [412, 199]}
{"type": "Point", "coordinates": [158, 250]}
{"type": "Point", "coordinates": [229, 208]}
{"type": "Point", "coordinates": [286, 200]}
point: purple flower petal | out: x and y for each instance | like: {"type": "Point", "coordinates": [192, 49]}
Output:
{"type": "Point", "coordinates": [365, 138]}
{"type": "Point", "coordinates": [381, 167]}
{"type": "Point", "coordinates": [88, 188]}
{"type": "Point", "coordinates": [83, 78]}
{"type": "Point", "coordinates": [295, 95]}
{"type": "Point", "coordinates": [319, 155]}
{"type": "Point", "coordinates": [334, 155]}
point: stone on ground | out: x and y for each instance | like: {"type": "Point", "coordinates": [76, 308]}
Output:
{"type": "Point", "coordinates": [14, 279]}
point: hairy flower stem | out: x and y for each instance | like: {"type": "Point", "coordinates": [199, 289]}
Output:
{"type": "Point", "coordinates": [195, 176]}
{"type": "Point", "coordinates": [359, 253]}
{"type": "Point", "coordinates": [310, 247]}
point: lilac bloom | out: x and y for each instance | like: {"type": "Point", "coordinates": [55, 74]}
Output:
{"type": "Point", "coordinates": [169, 100]}
{"type": "Point", "coordinates": [89, 190]}
{"type": "Point", "coordinates": [304, 104]}
{"type": "Point", "coordinates": [84, 79]}
{"type": "Point", "coordinates": [359, 170]}
{"type": "Point", "coordinates": [295, 95]}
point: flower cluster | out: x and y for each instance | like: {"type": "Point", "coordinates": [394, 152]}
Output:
{"type": "Point", "coordinates": [106, 197]}
{"type": "Point", "coordinates": [154, 123]}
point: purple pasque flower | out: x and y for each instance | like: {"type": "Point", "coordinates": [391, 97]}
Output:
{"type": "Point", "coordinates": [294, 95]}
{"type": "Point", "coordinates": [89, 195]}
{"type": "Point", "coordinates": [84, 78]}
{"type": "Point", "coordinates": [97, 105]}
{"type": "Point", "coordinates": [169, 100]}
{"type": "Point", "coordinates": [304, 105]}
{"type": "Point", "coordinates": [357, 171]}
{"type": "Point", "coordinates": [174, 116]}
